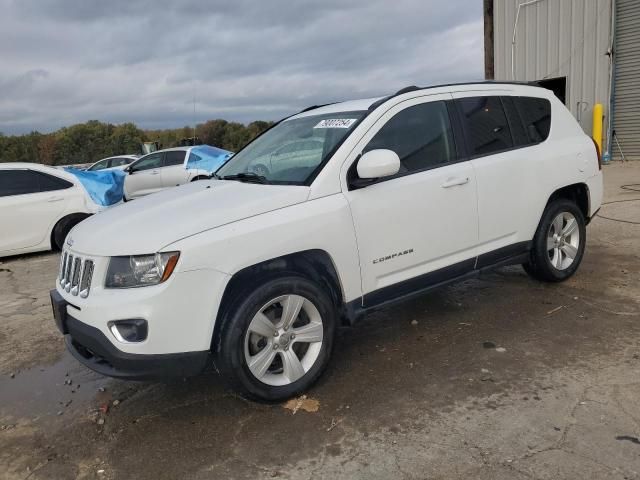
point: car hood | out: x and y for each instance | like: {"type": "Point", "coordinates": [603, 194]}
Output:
{"type": "Point", "coordinates": [150, 223]}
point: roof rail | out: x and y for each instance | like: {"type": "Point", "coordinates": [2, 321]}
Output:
{"type": "Point", "coordinates": [313, 107]}
{"type": "Point", "coordinates": [413, 88]}
{"type": "Point", "coordinates": [406, 90]}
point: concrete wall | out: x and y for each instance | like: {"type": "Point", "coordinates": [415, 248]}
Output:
{"type": "Point", "coordinates": [558, 38]}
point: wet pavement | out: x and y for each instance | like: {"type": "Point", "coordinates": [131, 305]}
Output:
{"type": "Point", "coordinates": [495, 378]}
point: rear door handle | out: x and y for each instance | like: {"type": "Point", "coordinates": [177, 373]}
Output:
{"type": "Point", "coordinates": [55, 199]}
{"type": "Point", "coordinates": [155, 172]}
{"type": "Point", "coordinates": [455, 181]}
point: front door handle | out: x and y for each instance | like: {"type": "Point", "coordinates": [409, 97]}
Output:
{"type": "Point", "coordinates": [454, 181]}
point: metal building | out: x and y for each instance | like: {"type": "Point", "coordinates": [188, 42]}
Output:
{"type": "Point", "coordinates": [587, 51]}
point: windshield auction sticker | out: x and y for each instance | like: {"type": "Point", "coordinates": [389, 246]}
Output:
{"type": "Point", "coordinates": [336, 123]}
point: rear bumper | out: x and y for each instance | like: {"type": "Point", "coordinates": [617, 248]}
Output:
{"type": "Point", "coordinates": [94, 350]}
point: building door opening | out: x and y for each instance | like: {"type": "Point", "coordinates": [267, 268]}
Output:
{"type": "Point", "coordinates": [557, 85]}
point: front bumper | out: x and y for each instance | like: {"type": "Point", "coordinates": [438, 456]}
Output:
{"type": "Point", "coordinates": [91, 347]}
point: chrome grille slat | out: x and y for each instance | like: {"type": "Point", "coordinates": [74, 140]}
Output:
{"type": "Point", "coordinates": [67, 278]}
{"type": "Point", "coordinates": [63, 267]}
{"type": "Point", "coordinates": [85, 281]}
{"type": "Point", "coordinates": [75, 276]}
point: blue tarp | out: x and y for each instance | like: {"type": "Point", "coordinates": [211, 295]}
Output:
{"type": "Point", "coordinates": [105, 187]}
{"type": "Point", "coordinates": [206, 157]}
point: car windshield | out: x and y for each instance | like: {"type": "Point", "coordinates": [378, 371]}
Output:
{"type": "Point", "coordinates": [292, 151]}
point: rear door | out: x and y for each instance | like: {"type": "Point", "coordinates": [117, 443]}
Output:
{"type": "Point", "coordinates": [506, 178]}
{"type": "Point", "coordinates": [144, 176]}
{"type": "Point", "coordinates": [30, 203]}
{"type": "Point", "coordinates": [173, 169]}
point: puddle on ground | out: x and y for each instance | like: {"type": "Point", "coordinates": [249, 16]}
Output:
{"type": "Point", "coordinates": [45, 391]}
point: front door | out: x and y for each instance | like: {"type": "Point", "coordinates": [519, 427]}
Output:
{"type": "Point", "coordinates": [419, 227]}
{"type": "Point", "coordinates": [144, 176]}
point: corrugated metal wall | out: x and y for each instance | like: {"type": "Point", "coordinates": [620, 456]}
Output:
{"type": "Point", "coordinates": [558, 38]}
{"type": "Point", "coordinates": [626, 113]}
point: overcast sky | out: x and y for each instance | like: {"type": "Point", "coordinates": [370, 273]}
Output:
{"type": "Point", "coordinates": [68, 61]}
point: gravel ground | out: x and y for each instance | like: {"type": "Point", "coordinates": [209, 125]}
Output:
{"type": "Point", "coordinates": [495, 378]}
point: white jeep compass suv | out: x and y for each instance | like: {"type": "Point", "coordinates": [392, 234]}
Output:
{"type": "Point", "coordinates": [371, 201]}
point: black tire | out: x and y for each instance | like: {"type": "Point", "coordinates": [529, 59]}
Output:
{"type": "Point", "coordinates": [230, 359]}
{"type": "Point", "coordinates": [63, 227]}
{"type": "Point", "coordinates": [539, 265]}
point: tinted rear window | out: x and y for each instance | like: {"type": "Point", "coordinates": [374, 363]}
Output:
{"type": "Point", "coordinates": [485, 124]}
{"type": "Point", "coordinates": [21, 182]}
{"type": "Point", "coordinates": [536, 117]}
{"type": "Point", "coordinates": [174, 157]}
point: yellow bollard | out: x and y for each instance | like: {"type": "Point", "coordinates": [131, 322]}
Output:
{"type": "Point", "coordinates": [597, 125]}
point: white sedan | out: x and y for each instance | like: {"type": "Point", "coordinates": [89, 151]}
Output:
{"type": "Point", "coordinates": [38, 207]}
{"type": "Point", "coordinates": [120, 162]}
{"type": "Point", "coordinates": [171, 167]}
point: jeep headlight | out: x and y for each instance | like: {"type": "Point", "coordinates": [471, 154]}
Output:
{"type": "Point", "coordinates": [140, 270]}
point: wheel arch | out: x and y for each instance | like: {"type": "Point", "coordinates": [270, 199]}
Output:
{"type": "Point", "coordinates": [577, 193]}
{"type": "Point", "coordinates": [316, 265]}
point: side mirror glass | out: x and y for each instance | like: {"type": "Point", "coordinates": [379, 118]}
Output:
{"type": "Point", "coordinates": [378, 163]}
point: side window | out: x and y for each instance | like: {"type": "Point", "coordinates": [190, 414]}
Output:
{"type": "Point", "coordinates": [485, 124]}
{"type": "Point", "coordinates": [18, 182]}
{"type": "Point", "coordinates": [49, 183]}
{"type": "Point", "coordinates": [175, 157]}
{"type": "Point", "coordinates": [150, 161]}
{"type": "Point", "coordinates": [520, 138]}
{"type": "Point", "coordinates": [99, 166]}
{"type": "Point", "coordinates": [536, 116]}
{"type": "Point", "coordinates": [22, 182]}
{"type": "Point", "coordinates": [421, 136]}
{"type": "Point", "coordinates": [194, 159]}
{"type": "Point", "coordinates": [118, 162]}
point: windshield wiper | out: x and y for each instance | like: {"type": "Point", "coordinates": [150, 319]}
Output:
{"type": "Point", "coordinates": [248, 177]}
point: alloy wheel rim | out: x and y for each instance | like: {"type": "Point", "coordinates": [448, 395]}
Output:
{"type": "Point", "coordinates": [563, 240]}
{"type": "Point", "coordinates": [283, 340]}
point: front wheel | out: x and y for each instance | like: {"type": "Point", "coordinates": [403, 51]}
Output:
{"type": "Point", "coordinates": [559, 242]}
{"type": "Point", "coordinates": [277, 340]}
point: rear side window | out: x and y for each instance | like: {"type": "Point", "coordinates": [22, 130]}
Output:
{"type": "Point", "coordinates": [485, 125]}
{"type": "Point", "coordinates": [536, 117]}
{"type": "Point", "coordinates": [22, 182]}
{"type": "Point", "coordinates": [49, 183]}
{"type": "Point", "coordinates": [421, 135]}
{"type": "Point", "coordinates": [173, 158]}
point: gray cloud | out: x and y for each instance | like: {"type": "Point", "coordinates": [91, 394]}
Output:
{"type": "Point", "coordinates": [67, 61]}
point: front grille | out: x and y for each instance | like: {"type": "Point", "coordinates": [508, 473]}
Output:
{"type": "Point", "coordinates": [75, 274]}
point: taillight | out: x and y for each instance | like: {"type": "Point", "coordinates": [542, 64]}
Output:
{"type": "Point", "coordinates": [598, 153]}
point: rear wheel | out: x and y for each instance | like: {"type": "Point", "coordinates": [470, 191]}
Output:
{"type": "Point", "coordinates": [277, 340]}
{"type": "Point", "coordinates": [559, 242]}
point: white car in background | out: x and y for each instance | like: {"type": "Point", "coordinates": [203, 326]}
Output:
{"type": "Point", "coordinates": [119, 162]}
{"type": "Point", "coordinates": [38, 207]}
{"type": "Point", "coordinates": [169, 168]}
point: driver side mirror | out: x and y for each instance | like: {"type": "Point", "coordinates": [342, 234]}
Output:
{"type": "Point", "coordinates": [376, 164]}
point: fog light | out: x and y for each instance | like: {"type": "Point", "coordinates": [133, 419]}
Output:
{"type": "Point", "coordinates": [129, 331]}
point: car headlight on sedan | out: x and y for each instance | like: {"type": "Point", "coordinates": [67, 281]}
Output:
{"type": "Point", "coordinates": [140, 270]}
